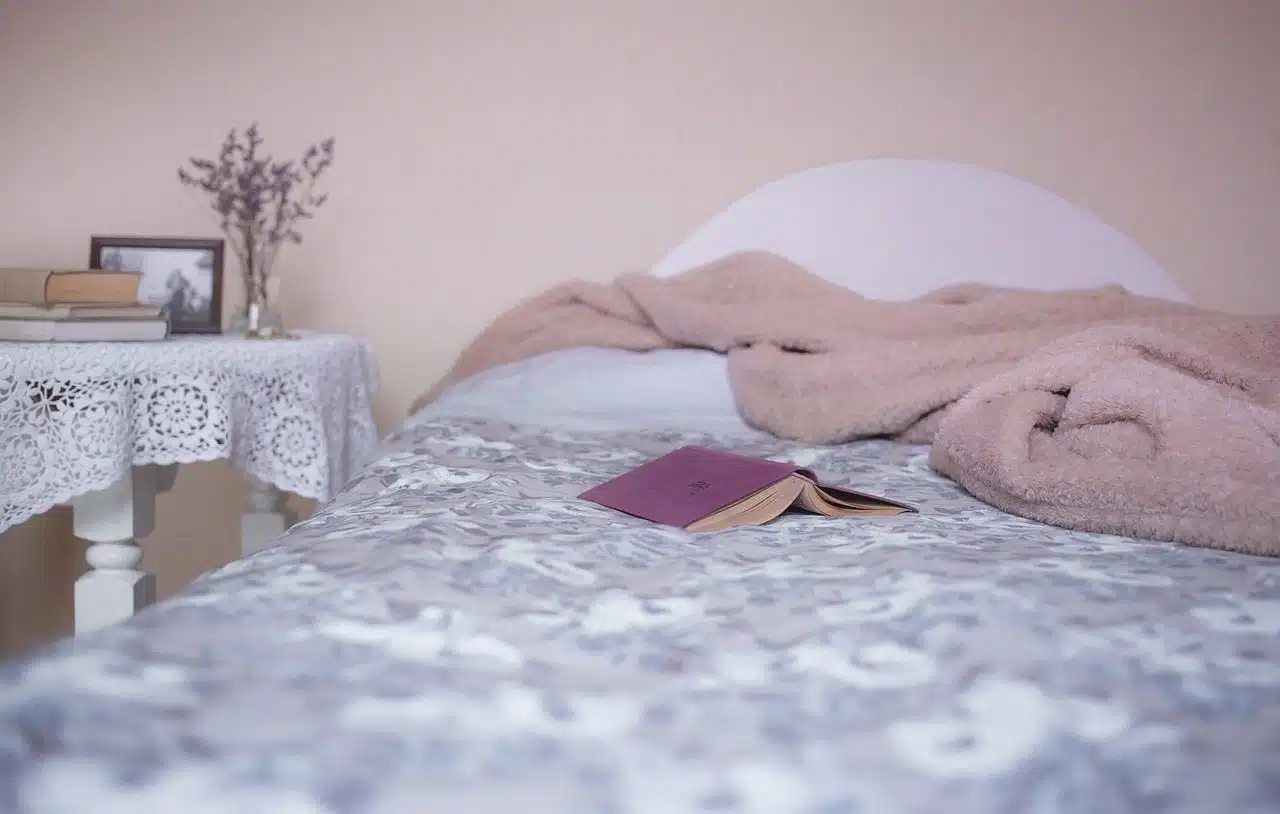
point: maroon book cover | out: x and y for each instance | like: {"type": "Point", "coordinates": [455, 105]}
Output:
{"type": "Point", "coordinates": [687, 484]}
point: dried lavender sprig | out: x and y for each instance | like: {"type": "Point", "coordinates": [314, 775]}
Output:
{"type": "Point", "coordinates": [259, 201]}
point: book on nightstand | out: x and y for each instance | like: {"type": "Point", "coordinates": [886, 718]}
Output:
{"type": "Point", "coordinates": [37, 286]}
{"type": "Point", "coordinates": [39, 305]}
{"type": "Point", "coordinates": [83, 330]}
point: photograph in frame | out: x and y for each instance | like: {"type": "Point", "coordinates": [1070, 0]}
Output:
{"type": "Point", "coordinates": [182, 274]}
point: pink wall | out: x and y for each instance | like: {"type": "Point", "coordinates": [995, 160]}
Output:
{"type": "Point", "coordinates": [489, 147]}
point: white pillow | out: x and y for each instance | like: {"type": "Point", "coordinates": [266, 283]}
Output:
{"type": "Point", "coordinates": [602, 388]}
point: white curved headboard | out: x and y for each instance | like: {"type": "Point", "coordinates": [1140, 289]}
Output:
{"type": "Point", "coordinates": [897, 228]}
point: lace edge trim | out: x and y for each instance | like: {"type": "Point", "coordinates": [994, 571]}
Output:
{"type": "Point", "coordinates": [63, 496]}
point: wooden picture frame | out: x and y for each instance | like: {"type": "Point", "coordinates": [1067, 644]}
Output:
{"type": "Point", "coordinates": [182, 273]}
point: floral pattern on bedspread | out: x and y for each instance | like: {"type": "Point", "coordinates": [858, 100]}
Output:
{"type": "Point", "coordinates": [457, 633]}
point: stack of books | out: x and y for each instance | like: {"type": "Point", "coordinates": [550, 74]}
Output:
{"type": "Point", "coordinates": [76, 305]}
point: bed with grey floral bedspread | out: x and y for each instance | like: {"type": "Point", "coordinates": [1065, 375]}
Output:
{"type": "Point", "coordinates": [458, 633]}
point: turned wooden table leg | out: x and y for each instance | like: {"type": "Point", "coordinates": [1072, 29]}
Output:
{"type": "Point", "coordinates": [266, 517]}
{"type": "Point", "coordinates": [112, 520]}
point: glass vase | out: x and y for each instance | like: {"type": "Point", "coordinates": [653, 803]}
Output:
{"type": "Point", "coordinates": [256, 320]}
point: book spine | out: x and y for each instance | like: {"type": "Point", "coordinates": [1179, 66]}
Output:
{"type": "Point", "coordinates": [27, 287]}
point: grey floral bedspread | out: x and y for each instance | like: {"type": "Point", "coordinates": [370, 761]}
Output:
{"type": "Point", "coordinates": [458, 633]}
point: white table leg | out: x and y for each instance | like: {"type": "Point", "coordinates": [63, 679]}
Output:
{"type": "Point", "coordinates": [112, 520]}
{"type": "Point", "coordinates": [266, 518]}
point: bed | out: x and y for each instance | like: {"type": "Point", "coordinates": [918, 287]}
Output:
{"type": "Point", "coordinates": [456, 631]}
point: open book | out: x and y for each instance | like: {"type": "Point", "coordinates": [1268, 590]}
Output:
{"type": "Point", "coordinates": [700, 489]}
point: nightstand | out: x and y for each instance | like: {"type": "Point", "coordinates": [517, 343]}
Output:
{"type": "Point", "coordinates": [102, 426]}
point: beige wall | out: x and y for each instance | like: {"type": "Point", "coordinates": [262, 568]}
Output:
{"type": "Point", "coordinates": [489, 147]}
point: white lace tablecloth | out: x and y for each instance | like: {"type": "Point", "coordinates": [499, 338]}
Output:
{"type": "Point", "coordinates": [294, 413]}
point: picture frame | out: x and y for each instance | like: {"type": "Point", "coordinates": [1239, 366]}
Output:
{"type": "Point", "coordinates": [182, 273]}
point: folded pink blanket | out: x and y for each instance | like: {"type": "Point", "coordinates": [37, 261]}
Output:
{"type": "Point", "coordinates": [1093, 409]}
{"type": "Point", "coordinates": [1125, 429]}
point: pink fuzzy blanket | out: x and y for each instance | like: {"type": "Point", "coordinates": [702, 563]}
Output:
{"type": "Point", "coordinates": [1092, 409]}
